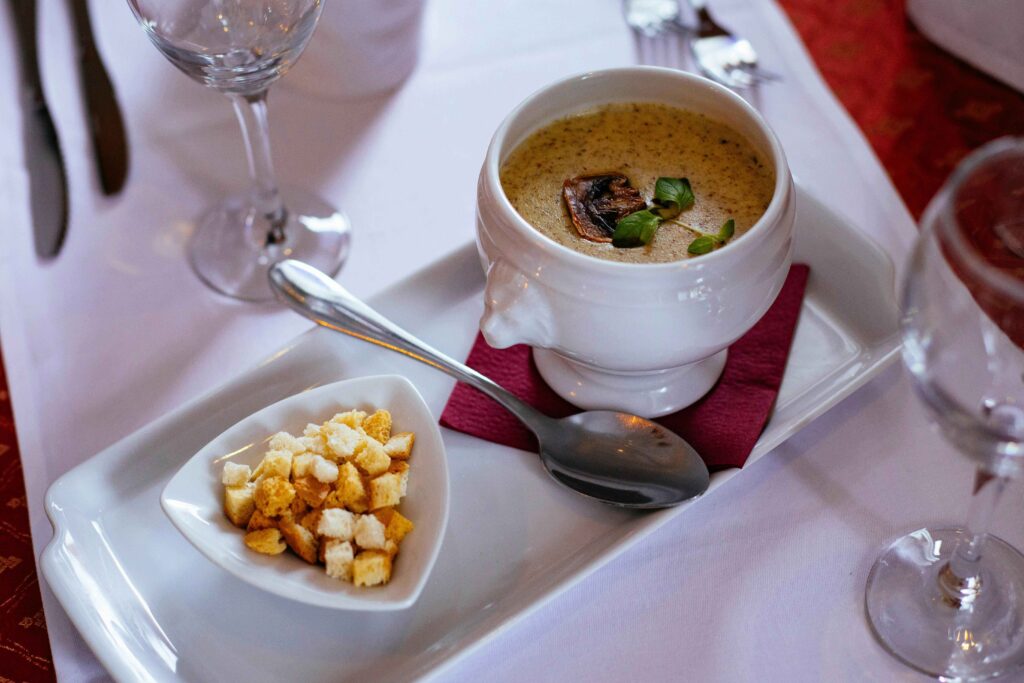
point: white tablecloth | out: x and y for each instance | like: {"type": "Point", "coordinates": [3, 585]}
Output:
{"type": "Point", "coordinates": [764, 582]}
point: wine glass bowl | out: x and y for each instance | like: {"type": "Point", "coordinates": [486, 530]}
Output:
{"type": "Point", "coordinates": [963, 303]}
{"type": "Point", "coordinates": [950, 602]}
{"type": "Point", "coordinates": [239, 48]}
{"type": "Point", "coordinates": [231, 46]}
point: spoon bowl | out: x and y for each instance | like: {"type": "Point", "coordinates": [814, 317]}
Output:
{"type": "Point", "coordinates": [617, 458]}
{"type": "Point", "coordinates": [621, 459]}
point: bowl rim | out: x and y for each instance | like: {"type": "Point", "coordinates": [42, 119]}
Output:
{"type": "Point", "coordinates": [340, 600]}
{"type": "Point", "coordinates": [781, 193]}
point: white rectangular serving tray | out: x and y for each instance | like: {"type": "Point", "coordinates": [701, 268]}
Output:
{"type": "Point", "coordinates": [153, 609]}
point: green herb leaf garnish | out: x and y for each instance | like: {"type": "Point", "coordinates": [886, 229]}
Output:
{"type": "Point", "coordinates": [727, 231]}
{"type": "Point", "coordinates": [706, 243]}
{"type": "Point", "coordinates": [648, 230]}
{"type": "Point", "coordinates": [701, 245]}
{"type": "Point", "coordinates": [673, 191]}
{"type": "Point", "coordinates": [671, 196]}
{"type": "Point", "coordinates": [636, 229]}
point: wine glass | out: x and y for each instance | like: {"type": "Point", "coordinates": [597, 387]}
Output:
{"type": "Point", "coordinates": [950, 602]}
{"type": "Point", "coordinates": [240, 47]}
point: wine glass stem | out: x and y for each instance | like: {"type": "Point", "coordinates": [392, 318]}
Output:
{"type": "Point", "coordinates": [960, 579]}
{"type": "Point", "coordinates": [252, 115]}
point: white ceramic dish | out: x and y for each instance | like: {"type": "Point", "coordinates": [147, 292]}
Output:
{"type": "Point", "coordinates": [193, 497]}
{"type": "Point", "coordinates": [152, 608]}
{"type": "Point", "coordinates": [579, 312]}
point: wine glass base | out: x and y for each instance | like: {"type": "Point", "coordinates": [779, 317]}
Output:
{"type": "Point", "coordinates": [229, 250]}
{"type": "Point", "coordinates": [913, 620]}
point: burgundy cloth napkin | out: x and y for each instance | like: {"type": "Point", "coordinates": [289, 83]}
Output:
{"type": "Point", "coordinates": [723, 426]}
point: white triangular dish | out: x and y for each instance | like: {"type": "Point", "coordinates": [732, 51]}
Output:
{"type": "Point", "coordinates": [193, 497]}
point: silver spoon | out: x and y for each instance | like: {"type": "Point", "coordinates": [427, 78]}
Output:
{"type": "Point", "coordinates": [616, 458]}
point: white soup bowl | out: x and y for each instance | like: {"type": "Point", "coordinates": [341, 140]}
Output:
{"type": "Point", "coordinates": [649, 339]}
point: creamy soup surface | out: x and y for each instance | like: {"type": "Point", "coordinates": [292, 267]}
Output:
{"type": "Point", "coordinates": [643, 141]}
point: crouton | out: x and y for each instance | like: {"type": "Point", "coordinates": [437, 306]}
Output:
{"type": "Point", "coordinates": [337, 523]}
{"type": "Point", "coordinates": [313, 445]}
{"type": "Point", "coordinates": [260, 521]}
{"type": "Point", "coordinates": [257, 473]}
{"type": "Point", "coordinates": [378, 426]}
{"type": "Point", "coordinates": [283, 441]}
{"type": "Point", "coordinates": [400, 445]}
{"type": "Point", "coordinates": [371, 568]}
{"type": "Point", "coordinates": [397, 527]}
{"type": "Point", "coordinates": [342, 441]}
{"type": "Point", "coordinates": [398, 466]}
{"type": "Point", "coordinates": [351, 418]}
{"type": "Point", "coordinates": [338, 556]}
{"type": "Point", "coordinates": [296, 510]}
{"type": "Point", "coordinates": [301, 541]}
{"type": "Point", "coordinates": [401, 468]}
{"type": "Point", "coordinates": [324, 470]}
{"type": "Point", "coordinates": [334, 499]}
{"type": "Point", "coordinates": [312, 440]}
{"type": "Point", "coordinates": [384, 514]}
{"type": "Point", "coordinates": [310, 490]}
{"type": "Point", "coordinates": [369, 533]}
{"type": "Point", "coordinates": [235, 474]}
{"type": "Point", "coordinates": [273, 496]}
{"type": "Point", "coordinates": [350, 489]}
{"type": "Point", "coordinates": [266, 541]}
{"type": "Point", "coordinates": [385, 490]}
{"type": "Point", "coordinates": [239, 503]}
{"type": "Point", "coordinates": [321, 553]}
{"type": "Point", "coordinates": [276, 464]}
{"type": "Point", "coordinates": [301, 464]}
{"type": "Point", "coordinates": [311, 520]}
{"type": "Point", "coordinates": [371, 458]}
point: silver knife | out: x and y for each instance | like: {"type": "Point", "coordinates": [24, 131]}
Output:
{"type": "Point", "coordinates": [105, 123]}
{"type": "Point", "coordinates": [47, 178]}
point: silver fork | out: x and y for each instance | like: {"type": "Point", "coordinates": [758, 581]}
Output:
{"type": "Point", "coordinates": [655, 25]}
{"type": "Point", "coordinates": [720, 54]}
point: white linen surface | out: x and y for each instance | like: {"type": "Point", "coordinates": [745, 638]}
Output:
{"type": "Point", "coordinates": [763, 582]}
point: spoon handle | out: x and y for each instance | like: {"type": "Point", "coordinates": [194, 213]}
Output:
{"type": "Point", "coordinates": [318, 297]}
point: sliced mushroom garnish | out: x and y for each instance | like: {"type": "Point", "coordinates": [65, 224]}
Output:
{"type": "Point", "coordinates": [597, 202]}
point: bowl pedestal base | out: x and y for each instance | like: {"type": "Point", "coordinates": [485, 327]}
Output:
{"type": "Point", "coordinates": [647, 394]}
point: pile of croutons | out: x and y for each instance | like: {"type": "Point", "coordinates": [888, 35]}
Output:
{"type": "Point", "coordinates": [331, 495]}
